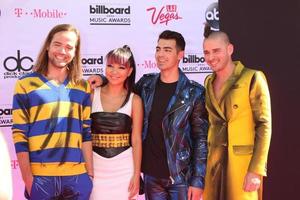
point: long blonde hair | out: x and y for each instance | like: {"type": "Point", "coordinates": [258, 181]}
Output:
{"type": "Point", "coordinates": [75, 70]}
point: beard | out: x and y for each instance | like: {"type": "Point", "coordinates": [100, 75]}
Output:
{"type": "Point", "coordinates": [58, 63]}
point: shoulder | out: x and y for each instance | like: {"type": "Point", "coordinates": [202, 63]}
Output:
{"type": "Point", "coordinates": [29, 80]}
{"type": "Point", "coordinates": [145, 81]}
{"type": "Point", "coordinates": [196, 86]}
{"type": "Point", "coordinates": [193, 90]}
{"type": "Point", "coordinates": [136, 100]}
{"type": "Point", "coordinates": [28, 76]}
{"type": "Point", "coordinates": [147, 77]}
{"type": "Point", "coordinates": [137, 106]}
{"type": "Point", "coordinates": [259, 77]}
{"type": "Point", "coordinates": [82, 85]}
{"type": "Point", "coordinates": [28, 83]}
{"type": "Point", "coordinates": [253, 71]}
{"type": "Point", "coordinates": [255, 74]}
{"type": "Point", "coordinates": [259, 73]}
{"type": "Point", "coordinates": [247, 70]}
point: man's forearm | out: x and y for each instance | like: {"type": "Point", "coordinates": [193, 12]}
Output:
{"type": "Point", "coordinates": [199, 130]}
{"type": "Point", "coordinates": [24, 163]}
{"type": "Point", "coordinates": [88, 157]}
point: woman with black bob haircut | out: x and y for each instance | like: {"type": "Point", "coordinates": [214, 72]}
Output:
{"type": "Point", "coordinates": [116, 130]}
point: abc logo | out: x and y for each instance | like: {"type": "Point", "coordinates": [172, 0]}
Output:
{"type": "Point", "coordinates": [18, 63]}
{"type": "Point", "coordinates": [212, 16]}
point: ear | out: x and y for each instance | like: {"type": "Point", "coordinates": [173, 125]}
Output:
{"type": "Point", "coordinates": [230, 49]}
{"type": "Point", "coordinates": [130, 71]}
{"type": "Point", "coordinates": [180, 55]}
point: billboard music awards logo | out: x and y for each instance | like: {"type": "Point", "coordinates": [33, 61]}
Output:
{"type": "Point", "coordinates": [92, 64]}
{"type": "Point", "coordinates": [110, 14]}
{"type": "Point", "coordinates": [194, 63]}
{"type": "Point", "coordinates": [5, 115]}
{"type": "Point", "coordinates": [164, 15]}
{"type": "Point", "coordinates": [212, 16]}
{"type": "Point", "coordinates": [17, 65]}
{"type": "Point", "coordinates": [40, 13]}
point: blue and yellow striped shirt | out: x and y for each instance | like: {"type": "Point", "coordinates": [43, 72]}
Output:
{"type": "Point", "coordinates": [51, 121]}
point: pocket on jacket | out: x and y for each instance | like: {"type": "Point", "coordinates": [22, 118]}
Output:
{"type": "Point", "coordinates": [242, 149]}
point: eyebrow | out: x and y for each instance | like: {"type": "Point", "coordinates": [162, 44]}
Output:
{"type": "Point", "coordinates": [214, 49]}
{"type": "Point", "coordinates": [167, 47]}
{"type": "Point", "coordinates": [56, 42]}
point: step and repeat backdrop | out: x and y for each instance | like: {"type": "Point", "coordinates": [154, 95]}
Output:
{"type": "Point", "coordinates": [104, 25]}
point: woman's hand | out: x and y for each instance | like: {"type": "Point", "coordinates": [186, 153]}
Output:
{"type": "Point", "coordinates": [134, 187]}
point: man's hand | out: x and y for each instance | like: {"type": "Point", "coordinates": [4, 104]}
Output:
{"type": "Point", "coordinates": [252, 182]}
{"type": "Point", "coordinates": [24, 164]}
{"type": "Point", "coordinates": [95, 81]}
{"type": "Point", "coordinates": [28, 183]}
{"type": "Point", "coordinates": [194, 193]}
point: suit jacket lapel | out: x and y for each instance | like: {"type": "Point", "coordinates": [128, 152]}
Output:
{"type": "Point", "coordinates": [226, 89]}
{"type": "Point", "coordinates": [213, 103]}
{"type": "Point", "coordinates": [231, 80]}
